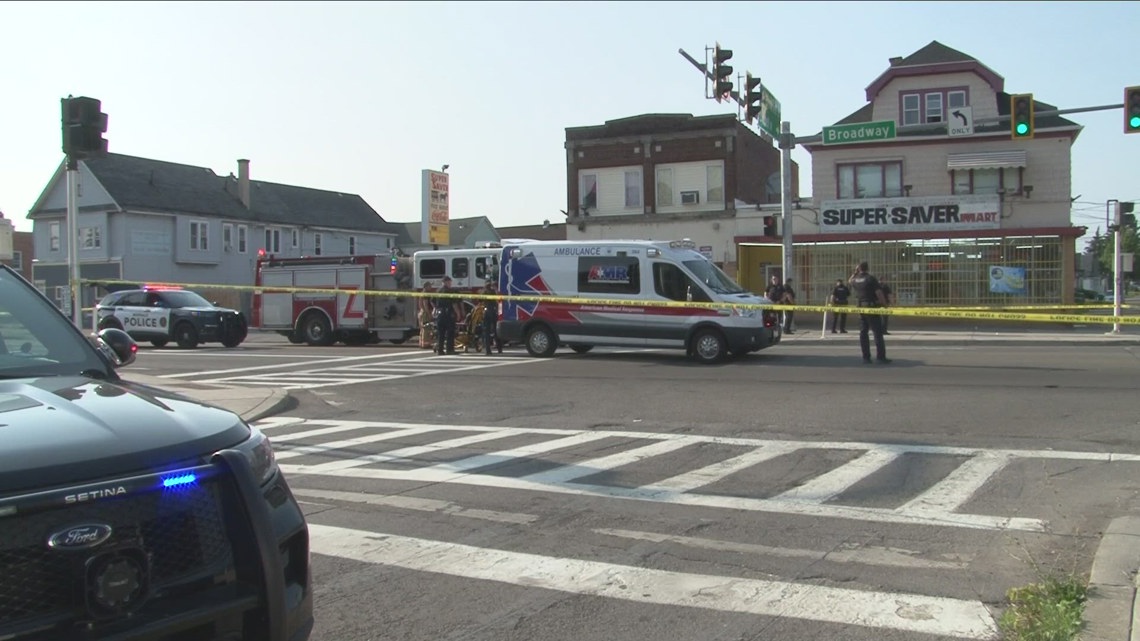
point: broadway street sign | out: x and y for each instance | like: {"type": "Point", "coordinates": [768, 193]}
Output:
{"type": "Point", "coordinates": [859, 132]}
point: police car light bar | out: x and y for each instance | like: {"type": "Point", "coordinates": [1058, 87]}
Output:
{"type": "Point", "coordinates": [159, 288]}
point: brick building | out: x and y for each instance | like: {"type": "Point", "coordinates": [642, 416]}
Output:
{"type": "Point", "coordinates": [669, 176]}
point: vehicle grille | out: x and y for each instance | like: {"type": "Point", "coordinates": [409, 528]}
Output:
{"type": "Point", "coordinates": [181, 531]}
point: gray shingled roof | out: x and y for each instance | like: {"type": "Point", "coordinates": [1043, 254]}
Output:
{"type": "Point", "coordinates": [651, 124]}
{"type": "Point", "coordinates": [934, 53]}
{"type": "Point", "coordinates": [156, 185]}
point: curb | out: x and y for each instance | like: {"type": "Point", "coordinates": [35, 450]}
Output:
{"type": "Point", "coordinates": [1111, 610]}
{"type": "Point", "coordinates": [276, 403]}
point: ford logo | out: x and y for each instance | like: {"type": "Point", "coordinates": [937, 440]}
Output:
{"type": "Point", "coordinates": [79, 537]}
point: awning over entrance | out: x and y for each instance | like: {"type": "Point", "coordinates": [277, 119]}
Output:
{"type": "Point", "coordinates": [986, 160]}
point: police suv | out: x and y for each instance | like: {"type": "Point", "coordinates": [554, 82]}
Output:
{"type": "Point", "coordinates": [160, 315]}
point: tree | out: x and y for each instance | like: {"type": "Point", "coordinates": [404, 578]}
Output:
{"type": "Point", "coordinates": [1129, 243]}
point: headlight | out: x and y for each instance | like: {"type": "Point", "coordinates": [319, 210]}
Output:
{"type": "Point", "coordinates": [259, 452]}
{"type": "Point", "coordinates": [744, 312]}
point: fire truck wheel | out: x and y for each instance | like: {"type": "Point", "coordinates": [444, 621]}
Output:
{"type": "Point", "coordinates": [316, 330]}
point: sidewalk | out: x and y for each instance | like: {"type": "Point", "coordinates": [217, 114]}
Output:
{"type": "Point", "coordinates": [1113, 610]}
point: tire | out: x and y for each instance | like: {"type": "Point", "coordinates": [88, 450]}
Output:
{"type": "Point", "coordinates": [581, 349]}
{"type": "Point", "coordinates": [541, 341]}
{"type": "Point", "coordinates": [397, 341]}
{"type": "Point", "coordinates": [160, 342]}
{"type": "Point", "coordinates": [232, 341]}
{"type": "Point", "coordinates": [110, 322]}
{"type": "Point", "coordinates": [316, 331]}
{"type": "Point", "coordinates": [186, 335]}
{"type": "Point", "coordinates": [708, 346]}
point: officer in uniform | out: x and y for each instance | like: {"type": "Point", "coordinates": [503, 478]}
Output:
{"type": "Point", "coordinates": [446, 316]}
{"type": "Point", "coordinates": [839, 296]}
{"type": "Point", "coordinates": [490, 318]}
{"type": "Point", "coordinates": [868, 293]}
{"type": "Point", "coordinates": [775, 293]}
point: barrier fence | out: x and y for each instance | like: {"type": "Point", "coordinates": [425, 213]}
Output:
{"type": "Point", "coordinates": [1024, 313]}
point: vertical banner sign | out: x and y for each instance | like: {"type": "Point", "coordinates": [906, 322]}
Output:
{"type": "Point", "coordinates": [436, 216]}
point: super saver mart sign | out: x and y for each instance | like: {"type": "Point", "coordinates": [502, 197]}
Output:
{"type": "Point", "coordinates": [933, 213]}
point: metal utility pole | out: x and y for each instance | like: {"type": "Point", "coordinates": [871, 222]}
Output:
{"type": "Point", "coordinates": [83, 127]}
{"type": "Point", "coordinates": [787, 142]}
{"type": "Point", "coordinates": [1117, 281]}
{"type": "Point", "coordinates": [74, 297]}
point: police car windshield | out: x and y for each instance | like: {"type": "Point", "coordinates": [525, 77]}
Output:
{"type": "Point", "coordinates": [713, 277]}
{"type": "Point", "coordinates": [184, 298]}
{"type": "Point", "coordinates": [36, 339]}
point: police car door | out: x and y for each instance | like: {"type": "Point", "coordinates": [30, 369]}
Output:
{"type": "Point", "coordinates": [139, 319]}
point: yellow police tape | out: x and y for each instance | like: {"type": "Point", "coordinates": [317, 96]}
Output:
{"type": "Point", "coordinates": [924, 312]}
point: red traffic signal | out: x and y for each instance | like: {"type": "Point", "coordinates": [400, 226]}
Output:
{"type": "Point", "coordinates": [722, 73]}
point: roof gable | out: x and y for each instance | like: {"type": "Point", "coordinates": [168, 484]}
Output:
{"type": "Point", "coordinates": [933, 59]}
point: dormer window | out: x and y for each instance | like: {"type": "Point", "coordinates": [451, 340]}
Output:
{"type": "Point", "coordinates": [934, 107]}
{"type": "Point", "coordinates": [930, 106]}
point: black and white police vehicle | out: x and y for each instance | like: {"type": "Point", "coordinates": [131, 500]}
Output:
{"type": "Point", "coordinates": [163, 314]}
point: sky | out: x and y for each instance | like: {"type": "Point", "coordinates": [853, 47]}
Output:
{"type": "Point", "coordinates": [359, 97]}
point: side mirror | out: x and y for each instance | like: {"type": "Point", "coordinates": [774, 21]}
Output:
{"type": "Point", "coordinates": [122, 346]}
{"type": "Point", "coordinates": [688, 293]}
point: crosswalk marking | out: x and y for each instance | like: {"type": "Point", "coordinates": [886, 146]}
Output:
{"type": "Point", "coordinates": [911, 613]}
{"type": "Point", "coordinates": [937, 505]}
{"type": "Point", "coordinates": [369, 372]}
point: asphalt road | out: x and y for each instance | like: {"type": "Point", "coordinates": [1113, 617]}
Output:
{"type": "Point", "coordinates": [795, 494]}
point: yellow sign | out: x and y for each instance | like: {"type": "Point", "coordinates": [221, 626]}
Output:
{"type": "Point", "coordinates": [436, 206]}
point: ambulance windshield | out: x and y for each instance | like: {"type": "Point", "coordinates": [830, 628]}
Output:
{"type": "Point", "coordinates": [711, 275]}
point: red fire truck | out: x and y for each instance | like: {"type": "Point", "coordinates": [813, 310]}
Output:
{"type": "Point", "coordinates": [344, 310]}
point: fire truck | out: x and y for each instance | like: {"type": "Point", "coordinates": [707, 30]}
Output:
{"type": "Point", "coordinates": [340, 307]}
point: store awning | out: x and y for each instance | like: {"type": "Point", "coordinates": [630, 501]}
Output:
{"type": "Point", "coordinates": [986, 160]}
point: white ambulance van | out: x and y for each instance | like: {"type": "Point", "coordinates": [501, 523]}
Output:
{"type": "Point", "coordinates": [616, 282]}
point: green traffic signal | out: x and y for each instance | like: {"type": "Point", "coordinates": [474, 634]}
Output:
{"type": "Point", "coordinates": [1022, 128]}
{"type": "Point", "coordinates": [1134, 122]}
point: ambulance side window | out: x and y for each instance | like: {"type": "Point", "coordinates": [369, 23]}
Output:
{"type": "Point", "coordinates": [459, 268]}
{"type": "Point", "coordinates": [433, 268]}
{"type": "Point", "coordinates": [481, 270]}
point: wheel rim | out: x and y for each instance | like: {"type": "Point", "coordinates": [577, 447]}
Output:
{"type": "Point", "coordinates": [316, 330]}
{"type": "Point", "coordinates": [539, 341]}
{"type": "Point", "coordinates": [708, 347]}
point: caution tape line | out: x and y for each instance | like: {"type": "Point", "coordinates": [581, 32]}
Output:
{"type": "Point", "coordinates": [925, 312]}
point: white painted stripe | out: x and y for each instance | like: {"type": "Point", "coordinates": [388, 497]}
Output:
{"type": "Point", "coordinates": [491, 458]}
{"type": "Point", "coordinates": [342, 359]}
{"type": "Point", "coordinates": [274, 422]}
{"type": "Point", "coordinates": [604, 463]}
{"type": "Point", "coordinates": [866, 555]}
{"type": "Point", "coordinates": [301, 450]}
{"type": "Point", "coordinates": [322, 431]}
{"type": "Point", "coordinates": [441, 474]}
{"type": "Point", "coordinates": [885, 610]}
{"type": "Point", "coordinates": [420, 505]}
{"type": "Point", "coordinates": [405, 453]}
{"type": "Point", "coordinates": [827, 486]}
{"type": "Point", "coordinates": [712, 473]}
{"type": "Point", "coordinates": [959, 485]}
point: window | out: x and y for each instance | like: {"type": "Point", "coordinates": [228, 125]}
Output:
{"type": "Point", "coordinates": [18, 261]}
{"type": "Point", "coordinates": [317, 244]}
{"type": "Point", "coordinates": [633, 188]}
{"type": "Point", "coordinates": [665, 187]}
{"type": "Point", "coordinates": [672, 283]}
{"type": "Point", "coordinates": [296, 238]}
{"type": "Point", "coordinates": [956, 99]}
{"type": "Point", "coordinates": [433, 268]}
{"type": "Point", "coordinates": [243, 241]}
{"type": "Point", "coordinates": [352, 245]}
{"type": "Point", "coordinates": [715, 178]}
{"type": "Point", "coordinates": [588, 191]}
{"type": "Point", "coordinates": [227, 236]}
{"type": "Point", "coordinates": [273, 240]}
{"type": "Point", "coordinates": [459, 267]}
{"type": "Point", "coordinates": [90, 238]}
{"type": "Point", "coordinates": [53, 240]}
{"type": "Point", "coordinates": [870, 180]}
{"type": "Point", "coordinates": [986, 181]}
{"type": "Point", "coordinates": [934, 107]}
{"type": "Point", "coordinates": [199, 232]}
{"type": "Point", "coordinates": [910, 111]}
{"type": "Point", "coordinates": [483, 267]}
{"type": "Point", "coordinates": [61, 294]}
{"type": "Point", "coordinates": [609, 275]}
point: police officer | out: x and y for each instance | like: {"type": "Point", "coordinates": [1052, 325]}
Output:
{"type": "Point", "coordinates": [775, 293]}
{"type": "Point", "coordinates": [490, 317]}
{"type": "Point", "coordinates": [839, 295]}
{"type": "Point", "coordinates": [789, 299]}
{"type": "Point", "coordinates": [446, 316]}
{"type": "Point", "coordinates": [868, 293]}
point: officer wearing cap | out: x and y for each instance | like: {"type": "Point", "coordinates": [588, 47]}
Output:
{"type": "Point", "coordinates": [868, 293]}
{"type": "Point", "coordinates": [446, 316]}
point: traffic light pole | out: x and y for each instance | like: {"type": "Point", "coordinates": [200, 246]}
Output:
{"type": "Point", "coordinates": [787, 142]}
{"type": "Point", "coordinates": [73, 241]}
{"type": "Point", "coordinates": [1117, 281]}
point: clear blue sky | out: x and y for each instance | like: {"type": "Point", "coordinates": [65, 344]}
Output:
{"type": "Point", "coordinates": [359, 97]}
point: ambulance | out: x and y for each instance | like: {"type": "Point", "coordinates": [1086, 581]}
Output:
{"type": "Point", "coordinates": [628, 293]}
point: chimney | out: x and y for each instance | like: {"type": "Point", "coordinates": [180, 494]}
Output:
{"type": "Point", "coordinates": [896, 60]}
{"type": "Point", "coordinates": [243, 182]}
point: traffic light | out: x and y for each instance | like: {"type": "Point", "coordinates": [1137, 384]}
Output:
{"type": "Point", "coordinates": [722, 73]}
{"type": "Point", "coordinates": [1127, 218]}
{"type": "Point", "coordinates": [83, 127]}
{"type": "Point", "coordinates": [1021, 116]}
{"type": "Point", "coordinates": [769, 225]}
{"type": "Point", "coordinates": [1132, 110]}
{"type": "Point", "coordinates": [752, 92]}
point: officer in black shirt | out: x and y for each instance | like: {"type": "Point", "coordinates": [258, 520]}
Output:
{"type": "Point", "coordinates": [868, 293]}
{"type": "Point", "coordinates": [839, 296]}
{"type": "Point", "coordinates": [490, 318]}
{"type": "Point", "coordinates": [446, 316]}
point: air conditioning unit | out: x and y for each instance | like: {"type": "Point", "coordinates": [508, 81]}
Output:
{"type": "Point", "coordinates": [690, 197]}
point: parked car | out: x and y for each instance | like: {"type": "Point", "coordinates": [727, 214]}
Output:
{"type": "Point", "coordinates": [1087, 296]}
{"type": "Point", "coordinates": [127, 512]}
{"type": "Point", "coordinates": [162, 314]}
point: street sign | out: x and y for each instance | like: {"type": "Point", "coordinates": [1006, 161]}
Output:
{"type": "Point", "coordinates": [961, 122]}
{"type": "Point", "coordinates": [769, 120]}
{"type": "Point", "coordinates": [859, 132]}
